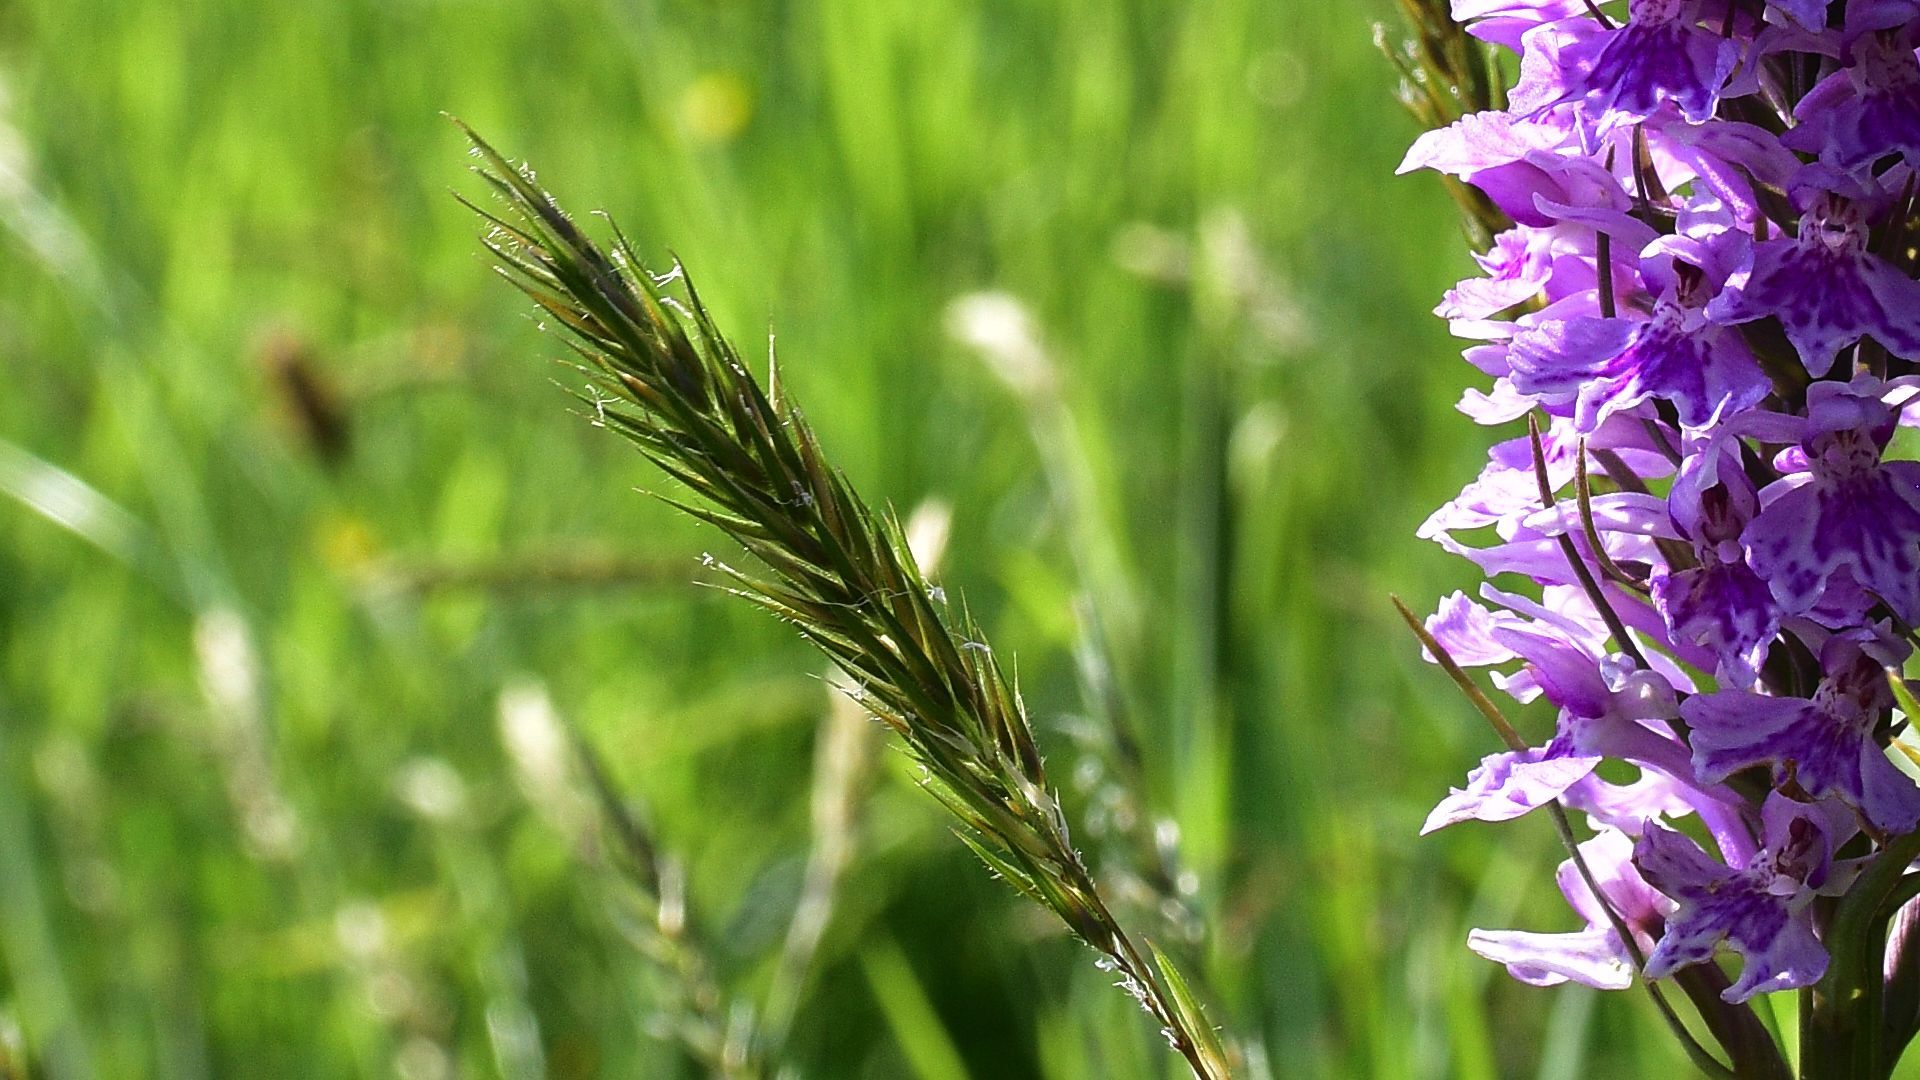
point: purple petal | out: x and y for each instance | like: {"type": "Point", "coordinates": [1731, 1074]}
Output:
{"type": "Point", "coordinates": [1626, 807]}
{"type": "Point", "coordinates": [1592, 957]}
{"type": "Point", "coordinates": [1570, 677]}
{"type": "Point", "coordinates": [1492, 151]}
{"type": "Point", "coordinates": [1557, 357]}
{"type": "Point", "coordinates": [1465, 630]}
{"type": "Point", "coordinates": [1506, 786]}
{"type": "Point", "coordinates": [1609, 857]}
{"type": "Point", "coordinates": [1828, 742]}
{"type": "Point", "coordinates": [1516, 268]}
{"type": "Point", "coordinates": [1735, 729]}
{"type": "Point", "coordinates": [1811, 14]}
{"type": "Point", "coordinates": [1501, 405]}
{"type": "Point", "coordinates": [1675, 865]}
{"type": "Point", "coordinates": [1781, 952]}
{"type": "Point", "coordinates": [1888, 797]}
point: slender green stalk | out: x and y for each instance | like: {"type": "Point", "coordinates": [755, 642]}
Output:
{"type": "Point", "coordinates": [563, 776]}
{"type": "Point", "coordinates": [843, 764]}
{"type": "Point", "coordinates": [659, 373]}
{"type": "Point", "coordinates": [1841, 1032]}
{"type": "Point", "coordinates": [53, 1023]}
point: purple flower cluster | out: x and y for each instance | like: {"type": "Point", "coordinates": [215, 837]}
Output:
{"type": "Point", "coordinates": [1707, 302]}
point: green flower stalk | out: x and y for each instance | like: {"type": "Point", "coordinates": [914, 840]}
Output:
{"type": "Point", "coordinates": [660, 374]}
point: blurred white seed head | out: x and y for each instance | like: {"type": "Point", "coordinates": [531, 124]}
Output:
{"type": "Point", "coordinates": [1166, 835]}
{"type": "Point", "coordinates": [432, 788]}
{"type": "Point", "coordinates": [1230, 265]}
{"type": "Point", "coordinates": [998, 327]}
{"type": "Point", "coordinates": [229, 667]}
{"type": "Point", "coordinates": [390, 995]}
{"type": "Point", "coordinates": [420, 1058]}
{"type": "Point", "coordinates": [1221, 263]}
{"type": "Point", "coordinates": [271, 827]}
{"type": "Point", "coordinates": [1152, 252]}
{"type": "Point", "coordinates": [361, 929]}
{"type": "Point", "coordinates": [534, 739]}
{"type": "Point", "coordinates": [229, 671]}
{"type": "Point", "coordinates": [1188, 883]}
{"type": "Point", "coordinates": [1087, 774]}
{"type": "Point", "coordinates": [541, 754]}
{"type": "Point", "coordinates": [927, 531]}
{"type": "Point", "coordinates": [672, 912]}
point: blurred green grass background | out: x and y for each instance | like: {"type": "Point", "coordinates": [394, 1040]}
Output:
{"type": "Point", "coordinates": [256, 819]}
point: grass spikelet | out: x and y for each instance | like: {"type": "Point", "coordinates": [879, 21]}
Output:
{"type": "Point", "coordinates": [661, 375]}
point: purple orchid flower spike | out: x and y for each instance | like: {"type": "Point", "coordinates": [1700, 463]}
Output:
{"type": "Point", "coordinates": [1758, 910]}
{"type": "Point", "coordinates": [1849, 513]}
{"type": "Point", "coordinates": [1870, 110]}
{"type": "Point", "coordinates": [1827, 289]}
{"type": "Point", "coordinates": [1719, 602]}
{"type": "Point", "coordinates": [1595, 956]}
{"type": "Point", "coordinates": [1827, 744]}
{"type": "Point", "coordinates": [1715, 559]}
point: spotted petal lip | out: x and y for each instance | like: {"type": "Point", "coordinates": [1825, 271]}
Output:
{"type": "Point", "coordinates": [1758, 911]}
{"type": "Point", "coordinates": [1854, 517]}
{"type": "Point", "coordinates": [1827, 741]}
{"type": "Point", "coordinates": [1725, 608]}
{"type": "Point", "coordinates": [1654, 61]}
{"type": "Point", "coordinates": [1611, 365]}
{"type": "Point", "coordinates": [1827, 291]}
{"type": "Point", "coordinates": [1865, 112]}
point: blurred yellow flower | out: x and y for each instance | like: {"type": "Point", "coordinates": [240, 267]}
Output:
{"type": "Point", "coordinates": [716, 106]}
